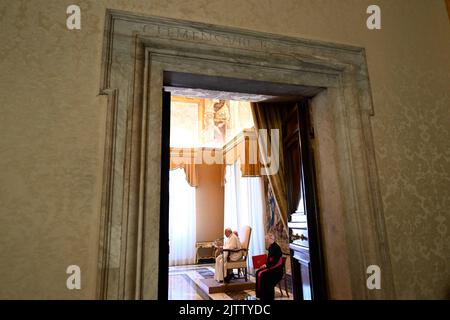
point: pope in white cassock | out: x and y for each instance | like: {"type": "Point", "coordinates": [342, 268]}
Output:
{"type": "Point", "coordinates": [231, 243]}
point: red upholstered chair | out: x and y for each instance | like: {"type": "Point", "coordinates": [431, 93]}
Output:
{"type": "Point", "coordinates": [284, 278]}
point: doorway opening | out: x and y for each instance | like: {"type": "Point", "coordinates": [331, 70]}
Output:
{"type": "Point", "coordinates": [144, 54]}
{"type": "Point", "coordinates": [217, 174]}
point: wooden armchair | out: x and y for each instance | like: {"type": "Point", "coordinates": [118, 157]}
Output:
{"type": "Point", "coordinates": [241, 264]}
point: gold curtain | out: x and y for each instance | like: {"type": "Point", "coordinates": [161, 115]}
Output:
{"type": "Point", "coordinates": [186, 162]}
{"type": "Point", "coordinates": [244, 147]}
{"type": "Point", "coordinates": [269, 116]}
{"type": "Point", "coordinates": [249, 157]}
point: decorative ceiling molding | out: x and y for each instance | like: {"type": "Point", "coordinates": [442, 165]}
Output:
{"type": "Point", "coordinates": [220, 95]}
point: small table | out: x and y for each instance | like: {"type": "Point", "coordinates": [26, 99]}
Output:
{"type": "Point", "coordinates": [204, 250]}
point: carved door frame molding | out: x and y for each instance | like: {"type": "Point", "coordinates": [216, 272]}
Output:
{"type": "Point", "coordinates": [137, 50]}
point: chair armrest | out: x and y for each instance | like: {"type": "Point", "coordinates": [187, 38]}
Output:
{"type": "Point", "coordinates": [234, 250]}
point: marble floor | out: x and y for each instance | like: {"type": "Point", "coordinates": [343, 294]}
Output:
{"type": "Point", "coordinates": [184, 285]}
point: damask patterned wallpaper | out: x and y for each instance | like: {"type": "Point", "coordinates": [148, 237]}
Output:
{"type": "Point", "coordinates": [53, 123]}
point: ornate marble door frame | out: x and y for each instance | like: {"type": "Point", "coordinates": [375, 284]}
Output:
{"type": "Point", "coordinates": [137, 50]}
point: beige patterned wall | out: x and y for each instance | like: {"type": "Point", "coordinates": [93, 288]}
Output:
{"type": "Point", "coordinates": [52, 128]}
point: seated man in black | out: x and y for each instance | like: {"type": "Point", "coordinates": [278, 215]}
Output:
{"type": "Point", "coordinates": [271, 273]}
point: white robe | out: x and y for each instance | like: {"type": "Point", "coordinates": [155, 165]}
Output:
{"type": "Point", "coordinates": [232, 243]}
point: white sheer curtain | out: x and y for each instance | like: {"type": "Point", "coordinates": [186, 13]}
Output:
{"type": "Point", "coordinates": [182, 219]}
{"type": "Point", "coordinates": [244, 205]}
